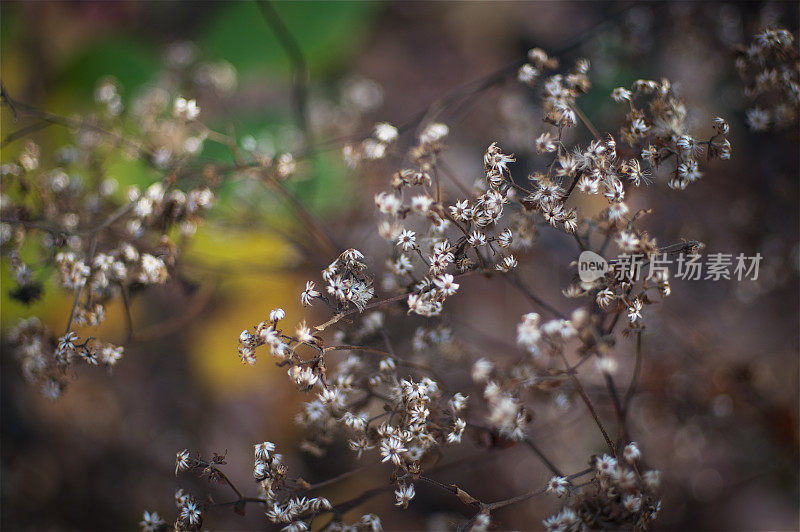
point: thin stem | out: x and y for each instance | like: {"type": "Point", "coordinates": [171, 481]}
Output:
{"type": "Point", "coordinates": [436, 181]}
{"type": "Point", "coordinates": [229, 483]}
{"type": "Point", "coordinates": [486, 508]}
{"type": "Point", "coordinates": [637, 368]}
{"type": "Point", "coordinates": [337, 478]}
{"type": "Point", "coordinates": [586, 122]}
{"type": "Point", "coordinates": [127, 306]}
{"type": "Point", "coordinates": [24, 132]}
{"type": "Point", "coordinates": [514, 280]}
{"type": "Point", "coordinates": [514, 500]}
{"type": "Point", "coordinates": [238, 501]}
{"type": "Point", "coordinates": [542, 457]}
{"type": "Point", "coordinates": [400, 361]}
{"type": "Point", "coordinates": [314, 224]}
{"type": "Point", "coordinates": [346, 506]}
{"type": "Point", "coordinates": [29, 110]}
{"type": "Point", "coordinates": [92, 247]}
{"type": "Point", "coordinates": [382, 302]}
{"type": "Point", "coordinates": [9, 102]}
{"type": "Point", "coordinates": [548, 463]}
{"type": "Point", "coordinates": [298, 64]}
{"type": "Point", "coordinates": [532, 493]}
{"type": "Point", "coordinates": [194, 306]}
{"type": "Point", "coordinates": [463, 496]}
{"type": "Point", "coordinates": [451, 176]}
{"type": "Point", "coordinates": [589, 405]}
{"type": "Point", "coordinates": [579, 241]}
{"type": "Point", "coordinates": [619, 411]}
{"type": "Point", "coordinates": [572, 186]}
{"type": "Point", "coordinates": [388, 342]}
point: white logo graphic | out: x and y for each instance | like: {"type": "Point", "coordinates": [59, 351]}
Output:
{"type": "Point", "coordinates": [591, 266]}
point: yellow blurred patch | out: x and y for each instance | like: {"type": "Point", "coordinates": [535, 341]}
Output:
{"type": "Point", "coordinates": [253, 275]}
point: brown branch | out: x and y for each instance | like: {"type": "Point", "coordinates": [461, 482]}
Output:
{"type": "Point", "coordinates": [586, 122]}
{"type": "Point", "coordinates": [92, 247]}
{"type": "Point", "coordinates": [4, 96]}
{"type": "Point", "coordinates": [619, 411]}
{"type": "Point", "coordinates": [337, 478]}
{"type": "Point", "coordinates": [127, 306]}
{"type": "Point", "coordinates": [514, 280]}
{"type": "Point", "coordinates": [528, 442]}
{"type": "Point", "coordinates": [542, 457]}
{"type": "Point", "coordinates": [312, 223]}
{"type": "Point", "coordinates": [29, 110]}
{"type": "Point", "coordinates": [486, 508]}
{"type": "Point", "coordinates": [400, 361]}
{"type": "Point", "coordinates": [298, 65]}
{"type": "Point", "coordinates": [636, 372]}
{"type": "Point", "coordinates": [24, 132]}
{"type": "Point", "coordinates": [451, 176]}
{"type": "Point", "coordinates": [344, 507]}
{"type": "Point", "coordinates": [161, 329]}
{"type": "Point", "coordinates": [589, 405]}
{"type": "Point", "coordinates": [401, 297]}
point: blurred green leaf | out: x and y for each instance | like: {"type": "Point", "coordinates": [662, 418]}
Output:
{"type": "Point", "coordinates": [132, 63]}
{"type": "Point", "coordinates": [326, 31]}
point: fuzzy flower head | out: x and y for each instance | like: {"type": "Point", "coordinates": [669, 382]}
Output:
{"type": "Point", "coordinates": [403, 495]}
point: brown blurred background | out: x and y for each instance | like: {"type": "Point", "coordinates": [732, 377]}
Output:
{"type": "Point", "coordinates": [718, 405]}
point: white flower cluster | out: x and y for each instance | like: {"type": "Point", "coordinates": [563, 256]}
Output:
{"type": "Point", "coordinates": [657, 122]}
{"type": "Point", "coordinates": [99, 245]}
{"type": "Point", "coordinates": [347, 280]}
{"type": "Point", "coordinates": [618, 485]}
{"type": "Point", "coordinates": [538, 62]}
{"type": "Point", "coordinates": [392, 395]}
{"type": "Point", "coordinates": [769, 69]}
{"type": "Point", "coordinates": [374, 148]}
{"type": "Point", "coordinates": [473, 218]}
{"type": "Point", "coordinates": [531, 333]}
{"type": "Point", "coordinates": [44, 360]}
{"type": "Point", "coordinates": [266, 333]}
{"type": "Point", "coordinates": [422, 418]}
{"type": "Point", "coordinates": [269, 473]}
{"type": "Point", "coordinates": [506, 412]}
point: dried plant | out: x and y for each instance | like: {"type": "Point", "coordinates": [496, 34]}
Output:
{"type": "Point", "coordinates": [97, 242]}
{"type": "Point", "coordinates": [390, 395]}
{"type": "Point", "coordinates": [404, 410]}
{"type": "Point", "coordinates": [770, 69]}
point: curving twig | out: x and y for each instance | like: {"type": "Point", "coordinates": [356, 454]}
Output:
{"type": "Point", "coordinates": [298, 63]}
